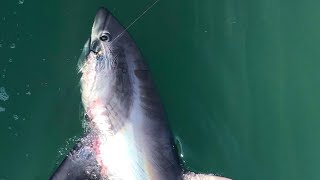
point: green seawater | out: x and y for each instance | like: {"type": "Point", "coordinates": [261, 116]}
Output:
{"type": "Point", "coordinates": [240, 82]}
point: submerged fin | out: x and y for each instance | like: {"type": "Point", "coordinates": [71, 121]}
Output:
{"type": "Point", "coordinates": [84, 54]}
{"type": "Point", "coordinates": [80, 164]}
{"type": "Point", "coordinates": [195, 176]}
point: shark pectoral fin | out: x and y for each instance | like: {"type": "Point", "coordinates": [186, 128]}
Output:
{"type": "Point", "coordinates": [79, 164]}
{"type": "Point", "coordinates": [195, 176]}
{"type": "Point", "coordinates": [84, 54]}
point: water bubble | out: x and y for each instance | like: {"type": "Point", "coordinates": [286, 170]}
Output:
{"type": "Point", "coordinates": [21, 1]}
{"type": "Point", "coordinates": [27, 155]}
{"type": "Point", "coordinates": [10, 128]}
{"type": "Point", "coordinates": [27, 85]}
{"type": "Point", "coordinates": [16, 134]}
{"type": "Point", "coordinates": [18, 93]}
{"type": "Point", "coordinates": [3, 76]}
{"type": "Point", "coordinates": [12, 45]}
{"type": "Point", "coordinates": [43, 59]}
{"type": "Point", "coordinates": [3, 95]}
{"type": "Point", "coordinates": [2, 109]}
{"type": "Point", "coordinates": [10, 60]}
{"type": "Point", "coordinates": [15, 117]}
{"type": "Point", "coordinates": [28, 93]}
{"type": "Point", "coordinates": [45, 84]}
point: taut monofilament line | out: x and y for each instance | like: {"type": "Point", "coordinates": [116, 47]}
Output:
{"type": "Point", "coordinates": [140, 16]}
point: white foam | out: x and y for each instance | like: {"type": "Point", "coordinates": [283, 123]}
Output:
{"type": "Point", "coordinates": [3, 95]}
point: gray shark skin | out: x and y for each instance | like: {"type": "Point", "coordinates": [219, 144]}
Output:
{"type": "Point", "coordinates": [127, 135]}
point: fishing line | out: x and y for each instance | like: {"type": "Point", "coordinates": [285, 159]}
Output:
{"type": "Point", "coordinates": [140, 16]}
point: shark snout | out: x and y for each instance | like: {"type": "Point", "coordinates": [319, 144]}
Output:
{"type": "Point", "coordinates": [100, 26]}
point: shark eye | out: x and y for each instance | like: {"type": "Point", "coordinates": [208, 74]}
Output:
{"type": "Point", "coordinates": [105, 37]}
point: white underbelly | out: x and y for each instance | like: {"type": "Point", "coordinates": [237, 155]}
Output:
{"type": "Point", "coordinates": [121, 155]}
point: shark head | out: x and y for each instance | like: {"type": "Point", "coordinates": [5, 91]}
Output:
{"type": "Point", "coordinates": [107, 63]}
{"type": "Point", "coordinates": [105, 30]}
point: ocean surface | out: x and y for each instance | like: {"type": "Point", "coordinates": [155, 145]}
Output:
{"type": "Point", "coordinates": [240, 81]}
